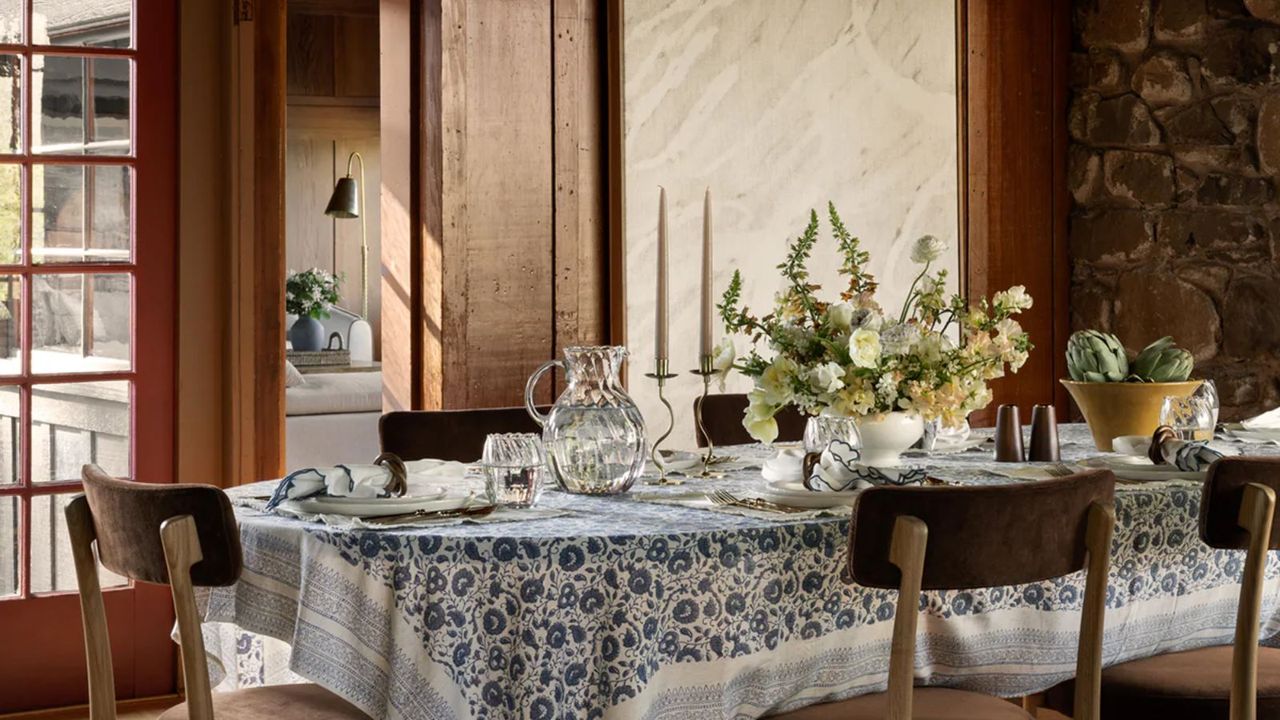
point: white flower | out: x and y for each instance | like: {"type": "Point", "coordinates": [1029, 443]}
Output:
{"type": "Point", "coordinates": [927, 249]}
{"type": "Point", "coordinates": [887, 388]}
{"type": "Point", "coordinates": [864, 348]}
{"type": "Point", "coordinates": [775, 384]}
{"type": "Point", "coordinates": [826, 378]}
{"type": "Point", "coordinates": [840, 316]}
{"type": "Point", "coordinates": [898, 339]}
{"type": "Point", "coordinates": [722, 357]}
{"type": "Point", "coordinates": [1015, 298]}
{"type": "Point", "coordinates": [758, 419]}
{"type": "Point", "coordinates": [869, 319]}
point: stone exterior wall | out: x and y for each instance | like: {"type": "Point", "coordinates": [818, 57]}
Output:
{"type": "Point", "coordinates": [1173, 160]}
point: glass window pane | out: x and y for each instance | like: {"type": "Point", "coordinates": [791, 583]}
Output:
{"type": "Point", "coordinates": [96, 23]}
{"type": "Point", "coordinates": [81, 105]}
{"type": "Point", "coordinates": [52, 568]}
{"type": "Point", "coordinates": [9, 436]}
{"type": "Point", "coordinates": [10, 214]}
{"type": "Point", "coordinates": [10, 527]}
{"type": "Point", "coordinates": [11, 21]}
{"type": "Point", "coordinates": [81, 213]}
{"type": "Point", "coordinates": [80, 323]}
{"type": "Point", "coordinates": [10, 101]}
{"type": "Point", "coordinates": [73, 424]}
{"type": "Point", "coordinates": [10, 326]}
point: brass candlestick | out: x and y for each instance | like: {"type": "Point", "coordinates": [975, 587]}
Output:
{"type": "Point", "coordinates": [661, 374]}
{"type": "Point", "coordinates": [706, 372]}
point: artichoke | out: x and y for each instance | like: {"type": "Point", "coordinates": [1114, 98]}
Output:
{"type": "Point", "coordinates": [1094, 356]}
{"type": "Point", "coordinates": [1162, 361]}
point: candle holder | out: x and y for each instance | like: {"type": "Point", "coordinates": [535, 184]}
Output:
{"type": "Point", "coordinates": [662, 375]}
{"type": "Point", "coordinates": [706, 372]}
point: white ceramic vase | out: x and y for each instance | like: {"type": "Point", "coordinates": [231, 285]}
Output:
{"type": "Point", "coordinates": [885, 437]}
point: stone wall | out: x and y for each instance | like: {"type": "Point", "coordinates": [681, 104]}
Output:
{"type": "Point", "coordinates": [1174, 154]}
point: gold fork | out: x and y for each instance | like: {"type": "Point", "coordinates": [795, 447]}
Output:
{"type": "Point", "coordinates": [1060, 470]}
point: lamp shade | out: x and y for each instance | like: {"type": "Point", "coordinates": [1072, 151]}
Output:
{"type": "Point", "coordinates": [344, 202]}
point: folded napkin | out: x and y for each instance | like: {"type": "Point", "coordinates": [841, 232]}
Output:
{"type": "Point", "coordinates": [838, 470]}
{"type": "Point", "coordinates": [788, 464]}
{"type": "Point", "coordinates": [1188, 456]}
{"type": "Point", "coordinates": [1269, 420]}
{"type": "Point", "coordinates": [357, 481]}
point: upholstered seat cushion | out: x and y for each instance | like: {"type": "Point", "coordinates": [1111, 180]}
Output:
{"type": "Point", "coordinates": [1191, 684]}
{"type": "Point", "coordinates": [276, 702]}
{"type": "Point", "coordinates": [926, 704]}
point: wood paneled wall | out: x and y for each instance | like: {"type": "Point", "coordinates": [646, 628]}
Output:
{"type": "Point", "coordinates": [495, 257]}
{"type": "Point", "coordinates": [333, 94]}
{"type": "Point", "coordinates": [1013, 80]}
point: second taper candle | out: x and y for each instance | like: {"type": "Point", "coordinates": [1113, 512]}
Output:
{"type": "Point", "coordinates": [705, 340]}
{"type": "Point", "coordinates": [661, 324]}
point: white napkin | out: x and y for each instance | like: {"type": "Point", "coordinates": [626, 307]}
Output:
{"type": "Point", "coordinates": [835, 471]}
{"type": "Point", "coordinates": [358, 481]}
{"type": "Point", "coordinates": [1189, 456]}
{"type": "Point", "coordinates": [1269, 420]}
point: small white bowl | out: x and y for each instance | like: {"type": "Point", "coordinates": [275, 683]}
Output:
{"type": "Point", "coordinates": [1132, 444]}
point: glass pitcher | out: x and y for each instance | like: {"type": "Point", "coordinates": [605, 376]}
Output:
{"type": "Point", "coordinates": [594, 434]}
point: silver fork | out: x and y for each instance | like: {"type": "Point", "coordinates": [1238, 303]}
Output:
{"type": "Point", "coordinates": [726, 499]}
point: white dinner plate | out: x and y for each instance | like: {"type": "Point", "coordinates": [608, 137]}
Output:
{"type": "Point", "coordinates": [794, 493]}
{"type": "Point", "coordinates": [1127, 467]}
{"type": "Point", "coordinates": [949, 447]}
{"type": "Point", "coordinates": [1260, 435]}
{"type": "Point", "coordinates": [680, 460]}
{"type": "Point", "coordinates": [433, 499]}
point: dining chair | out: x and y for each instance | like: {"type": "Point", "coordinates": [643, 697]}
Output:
{"type": "Point", "coordinates": [450, 434]}
{"type": "Point", "coordinates": [955, 538]}
{"type": "Point", "coordinates": [1240, 681]}
{"type": "Point", "coordinates": [183, 536]}
{"type": "Point", "coordinates": [722, 418]}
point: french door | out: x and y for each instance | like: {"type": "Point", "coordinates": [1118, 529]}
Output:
{"type": "Point", "coordinates": [88, 172]}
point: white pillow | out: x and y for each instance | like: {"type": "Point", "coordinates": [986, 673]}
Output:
{"type": "Point", "coordinates": [292, 378]}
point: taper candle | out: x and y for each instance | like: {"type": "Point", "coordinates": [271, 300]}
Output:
{"type": "Point", "coordinates": [660, 325]}
{"type": "Point", "coordinates": [705, 341]}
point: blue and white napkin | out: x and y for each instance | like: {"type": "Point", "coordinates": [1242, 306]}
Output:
{"type": "Point", "coordinates": [1187, 456]}
{"type": "Point", "coordinates": [357, 481]}
{"type": "Point", "coordinates": [838, 470]}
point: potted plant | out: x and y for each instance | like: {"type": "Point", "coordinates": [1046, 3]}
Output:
{"type": "Point", "coordinates": [1122, 397]}
{"type": "Point", "coordinates": [309, 295]}
{"type": "Point", "coordinates": [890, 372]}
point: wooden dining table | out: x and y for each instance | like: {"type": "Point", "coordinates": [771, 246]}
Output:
{"type": "Point", "coordinates": [659, 604]}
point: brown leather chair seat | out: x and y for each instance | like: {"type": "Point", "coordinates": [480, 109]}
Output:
{"type": "Point", "coordinates": [928, 703]}
{"type": "Point", "coordinates": [1191, 684]}
{"type": "Point", "coordinates": [274, 702]}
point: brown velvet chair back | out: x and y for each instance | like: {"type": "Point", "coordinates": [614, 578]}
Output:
{"type": "Point", "coordinates": [450, 434]}
{"type": "Point", "coordinates": [722, 417]}
{"type": "Point", "coordinates": [127, 517]}
{"type": "Point", "coordinates": [980, 536]}
{"type": "Point", "coordinates": [1223, 496]}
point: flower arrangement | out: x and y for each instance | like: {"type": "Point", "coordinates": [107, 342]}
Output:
{"type": "Point", "coordinates": [310, 293]}
{"type": "Point", "coordinates": [850, 358]}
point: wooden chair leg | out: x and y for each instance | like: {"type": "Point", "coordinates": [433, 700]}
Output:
{"type": "Point", "coordinates": [1033, 703]}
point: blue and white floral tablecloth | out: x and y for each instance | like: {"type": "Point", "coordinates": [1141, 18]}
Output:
{"type": "Point", "coordinates": [634, 609]}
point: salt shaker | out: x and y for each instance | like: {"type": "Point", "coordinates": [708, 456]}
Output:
{"type": "Point", "coordinates": [1044, 435]}
{"type": "Point", "coordinates": [1008, 434]}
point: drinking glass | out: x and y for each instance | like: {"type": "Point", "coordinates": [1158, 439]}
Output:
{"type": "Point", "coordinates": [820, 430]}
{"type": "Point", "coordinates": [1190, 417]}
{"type": "Point", "coordinates": [515, 468]}
{"type": "Point", "coordinates": [1209, 392]}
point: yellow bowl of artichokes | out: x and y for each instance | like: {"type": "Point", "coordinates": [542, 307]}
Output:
{"type": "Point", "coordinates": [1119, 396]}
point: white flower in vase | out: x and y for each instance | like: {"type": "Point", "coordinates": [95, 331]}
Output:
{"type": "Point", "coordinates": [826, 378]}
{"type": "Point", "coordinates": [864, 348]}
{"type": "Point", "coordinates": [723, 356]}
{"type": "Point", "coordinates": [927, 249]}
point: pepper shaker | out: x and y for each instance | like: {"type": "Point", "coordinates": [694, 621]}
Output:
{"type": "Point", "coordinates": [1044, 435]}
{"type": "Point", "coordinates": [1008, 434]}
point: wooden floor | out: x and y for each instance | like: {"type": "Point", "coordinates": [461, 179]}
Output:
{"type": "Point", "coordinates": [132, 710]}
